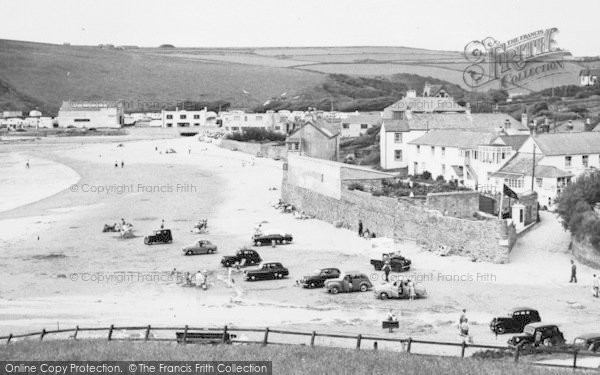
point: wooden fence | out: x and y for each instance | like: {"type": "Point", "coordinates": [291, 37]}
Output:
{"type": "Point", "coordinates": [407, 343]}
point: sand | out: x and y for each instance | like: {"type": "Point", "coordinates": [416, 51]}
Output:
{"type": "Point", "coordinates": [77, 275]}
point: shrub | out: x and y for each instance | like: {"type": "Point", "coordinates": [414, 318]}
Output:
{"type": "Point", "coordinates": [356, 186]}
{"type": "Point", "coordinates": [426, 175]}
{"type": "Point", "coordinates": [256, 135]}
{"type": "Point", "coordinates": [440, 178]}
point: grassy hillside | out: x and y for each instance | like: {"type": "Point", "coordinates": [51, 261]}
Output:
{"type": "Point", "coordinates": [286, 359]}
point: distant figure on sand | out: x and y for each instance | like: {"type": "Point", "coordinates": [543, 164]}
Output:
{"type": "Point", "coordinates": [122, 163]}
{"type": "Point", "coordinates": [573, 272]}
{"type": "Point", "coordinates": [162, 224]}
{"type": "Point", "coordinates": [596, 286]}
{"type": "Point", "coordinates": [360, 228]}
{"type": "Point", "coordinates": [116, 164]}
{"type": "Point", "coordinates": [463, 316]}
{"type": "Point", "coordinates": [27, 164]}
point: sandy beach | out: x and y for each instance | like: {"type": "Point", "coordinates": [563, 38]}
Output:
{"type": "Point", "coordinates": [60, 269]}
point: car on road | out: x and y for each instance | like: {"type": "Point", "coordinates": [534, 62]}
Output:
{"type": "Point", "coordinates": [588, 341]}
{"type": "Point", "coordinates": [516, 320]}
{"type": "Point", "coordinates": [200, 247]}
{"type": "Point", "coordinates": [243, 257]}
{"type": "Point", "coordinates": [318, 278]}
{"type": "Point", "coordinates": [266, 271]}
{"type": "Point", "coordinates": [159, 236]}
{"type": "Point", "coordinates": [398, 263]}
{"type": "Point", "coordinates": [349, 282]}
{"type": "Point", "coordinates": [535, 334]}
{"type": "Point", "coordinates": [268, 238]}
{"type": "Point", "coordinates": [398, 289]}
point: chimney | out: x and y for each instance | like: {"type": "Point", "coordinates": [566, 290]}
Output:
{"type": "Point", "coordinates": [411, 93]}
{"type": "Point", "coordinates": [524, 121]}
{"type": "Point", "coordinates": [468, 111]}
{"type": "Point", "coordinates": [507, 124]}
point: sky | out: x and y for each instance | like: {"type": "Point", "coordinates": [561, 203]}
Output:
{"type": "Point", "coordinates": [439, 25]}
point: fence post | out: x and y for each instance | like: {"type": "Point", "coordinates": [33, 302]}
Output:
{"type": "Point", "coordinates": [185, 334]}
{"type": "Point", "coordinates": [462, 351]}
{"type": "Point", "coordinates": [76, 332]}
{"type": "Point", "coordinates": [575, 359]}
{"type": "Point", "coordinates": [265, 340]}
{"type": "Point", "coordinates": [9, 338]}
{"type": "Point", "coordinates": [409, 345]}
{"type": "Point", "coordinates": [147, 335]}
{"type": "Point", "coordinates": [223, 339]}
{"type": "Point", "coordinates": [517, 352]}
{"type": "Point", "coordinates": [43, 334]}
{"type": "Point", "coordinates": [110, 332]}
{"type": "Point", "coordinates": [312, 338]}
{"type": "Point", "coordinates": [358, 340]}
{"type": "Point", "coordinates": [375, 345]}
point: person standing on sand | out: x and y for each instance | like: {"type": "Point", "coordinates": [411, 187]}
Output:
{"type": "Point", "coordinates": [596, 286]}
{"type": "Point", "coordinates": [573, 272]}
{"type": "Point", "coordinates": [116, 164]}
{"type": "Point", "coordinates": [122, 163]}
{"type": "Point", "coordinates": [162, 224]}
{"type": "Point", "coordinates": [360, 228]}
{"type": "Point", "coordinates": [463, 317]}
{"type": "Point", "coordinates": [27, 164]}
{"type": "Point", "coordinates": [386, 268]}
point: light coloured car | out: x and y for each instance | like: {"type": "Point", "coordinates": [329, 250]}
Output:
{"type": "Point", "coordinates": [398, 289]}
{"type": "Point", "coordinates": [200, 247]}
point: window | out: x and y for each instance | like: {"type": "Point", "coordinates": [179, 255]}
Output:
{"type": "Point", "coordinates": [585, 160]}
{"type": "Point", "coordinates": [443, 169]}
{"type": "Point", "coordinates": [278, 127]}
{"type": "Point", "coordinates": [567, 161]}
{"type": "Point", "coordinates": [258, 118]}
{"type": "Point", "coordinates": [182, 117]}
{"type": "Point", "coordinates": [236, 118]}
{"type": "Point", "coordinates": [398, 155]}
{"type": "Point", "coordinates": [432, 150]}
{"type": "Point", "coordinates": [196, 117]}
{"type": "Point", "coordinates": [235, 128]}
{"type": "Point", "coordinates": [245, 118]}
{"type": "Point", "coordinates": [418, 149]}
{"type": "Point", "coordinates": [81, 120]}
{"type": "Point", "coordinates": [364, 126]}
{"type": "Point", "coordinates": [514, 183]}
{"type": "Point", "coordinates": [443, 151]}
{"type": "Point", "coordinates": [169, 117]}
{"type": "Point", "coordinates": [398, 137]}
{"type": "Point", "coordinates": [538, 182]}
{"type": "Point", "coordinates": [169, 125]}
{"type": "Point", "coordinates": [345, 126]}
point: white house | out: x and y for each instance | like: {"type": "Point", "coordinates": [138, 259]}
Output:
{"type": "Point", "coordinates": [183, 118]}
{"type": "Point", "coordinates": [90, 114]}
{"type": "Point", "coordinates": [235, 121]}
{"type": "Point", "coordinates": [357, 124]}
{"type": "Point", "coordinates": [559, 159]}
{"type": "Point", "coordinates": [589, 77]}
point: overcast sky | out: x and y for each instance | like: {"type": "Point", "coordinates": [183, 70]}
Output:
{"type": "Point", "coordinates": [445, 25]}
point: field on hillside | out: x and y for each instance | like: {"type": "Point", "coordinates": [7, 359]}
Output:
{"type": "Point", "coordinates": [286, 359]}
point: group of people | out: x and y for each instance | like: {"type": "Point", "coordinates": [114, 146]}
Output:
{"type": "Point", "coordinates": [366, 233]}
{"type": "Point", "coordinates": [595, 280]}
{"type": "Point", "coordinates": [463, 327]}
{"type": "Point", "coordinates": [199, 279]}
{"type": "Point", "coordinates": [117, 164]}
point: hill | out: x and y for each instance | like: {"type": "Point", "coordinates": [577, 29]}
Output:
{"type": "Point", "coordinates": [286, 359]}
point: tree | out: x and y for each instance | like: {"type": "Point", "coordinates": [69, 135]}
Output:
{"type": "Point", "coordinates": [577, 199]}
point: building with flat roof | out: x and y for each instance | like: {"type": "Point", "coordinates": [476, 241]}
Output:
{"type": "Point", "coordinates": [90, 114]}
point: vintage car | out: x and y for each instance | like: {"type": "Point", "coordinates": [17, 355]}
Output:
{"type": "Point", "coordinates": [266, 271]}
{"type": "Point", "coordinates": [260, 239]}
{"type": "Point", "coordinates": [516, 320]}
{"type": "Point", "coordinates": [349, 282]}
{"type": "Point", "coordinates": [398, 263]}
{"type": "Point", "coordinates": [535, 334]}
{"type": "Point", "coordinates": [589, 342]}
{"type": "Point", "coordinates": [159, 236]}
{"type": "Point", "coordinates": [200, 247]}
{"type": "Point", "coordinates": [317, 279]}
{"type": "Point", "coordinates": [398, 289]}
{"type": "Point", "coordinates": [243, 258]}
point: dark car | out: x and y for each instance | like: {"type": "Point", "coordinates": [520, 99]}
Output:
{"type": "Point", "coordinates": [589, 342]}
{"type": "Point", "coordinates": [398, 263]}
{"type": "Point", "coordinates": [267, 271]}
{"type": "Point", "coordinates": [317, 279]}
{"type": "Point", "coordinates": [267, 239]}
{"type": "Point", "coordinates": [516, 320]}
{"type": "Point", "coordinates": [243, 257]}
{"type": "Point", "coordinates": [159, 236]}
{"type": "Point", "coordinates": [349, 282]}
{"type": "Point", "coordinates": [536, 334]}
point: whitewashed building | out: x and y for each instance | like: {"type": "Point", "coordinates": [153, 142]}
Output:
{"type": "Point", "coordinates": [90, 114]}
{"type": "Point", "coordinates": [180, 118]}
{"type": "Point", "coordinates": [357, 124]}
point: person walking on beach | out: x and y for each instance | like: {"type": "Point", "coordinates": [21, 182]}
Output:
{"type": "Point", "coordinates": [411, 290]}
{"type": "Point", "coordinates": [386, 268]}
{"type": "Point", "coordinates": [463, 317]}
{"type": "Point", "coordinates": [122, 163]}
{"type": "Point", "coordinates": [116, 164]}
{"type": "Point", "coordinates": [596, 286]}
{"type": "Point", "coordinates": [573, 272]}
{"type": "Point", "coordinates": [360, 228]}
{"type": "Point", "coordinates": [27, 164]}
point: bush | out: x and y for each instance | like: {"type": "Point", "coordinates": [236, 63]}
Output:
{"type": "Point", "coordinates": [426, 175]}
{"type": "Point", "coordinates": [256, 135]}
{"type": "Point", "coordinates": [356, 186]}
{"type": "Point", "coordinates": [440, 178]}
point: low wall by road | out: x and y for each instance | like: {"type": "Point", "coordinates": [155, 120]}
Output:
{"type": "Point", "coordinates": [461, 204]}
{"type": "Point", "coordinates": [486, 240]}
{"type": "Point", "coordinates": [585, 253]}
{"type": "Point", "coordinates": [267, 150]}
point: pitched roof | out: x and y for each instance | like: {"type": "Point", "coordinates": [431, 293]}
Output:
{"type": "Point", "coordinates": [455, 138]}
{"type": "Point", "coordinates": [552, 144]}
{"type": "Point", "coordinates": [590, 72]}
{"type": "Point", "coordinates": [395, 125]}
{"type": "Point", "coordinates": [431, 121]}
{"type": "Point", "coordinates": [426, 104]}
{"type": "Point", "coordinates": [363, 118]}
{"type": "Point", "coordinates": [521, 165]}
{"type": "Point", "coordinates": [328, 129]}
{"type": "Point", "coordinates": [514, 141]}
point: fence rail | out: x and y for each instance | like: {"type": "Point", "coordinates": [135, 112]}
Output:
{"type": "Point", "coordinates": [407, 343]}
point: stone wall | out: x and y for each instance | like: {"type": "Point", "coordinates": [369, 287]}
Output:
{"type": "Point", "coordinates": [461, 204]}
{"type": "Point", "coordinates": [487, 240]}
{"type": "Point", "coordinates": [268, 150]}
{"type": "Point", "coordinates": [585, 253]}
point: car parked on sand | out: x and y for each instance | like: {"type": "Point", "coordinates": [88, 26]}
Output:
{"type": "Point", "coordinates": [318, 278]}
{"type": "Point", "coordinates": [243, 258]}
{"type": "Point", "coordinates": [516, 320]}
{"type": "Point", "coordinates": [398, 289]}
{"type": "Point", "coordinates": [267, 238]}
{"type": "Point", "coordinates": [349, 282]}
{"type": "Point", "coordinates": [200, 247]}
{"type": "Point", "coordinates": [588, 341]}
{"type": "Point", "coordinates": [535, 334]}
{"type": "Point", "coordinates": [266, 271]}
{"type": "Point", "coordinates": [398, 263]}
{"type": "Point", "coordinates": [159, 236]}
